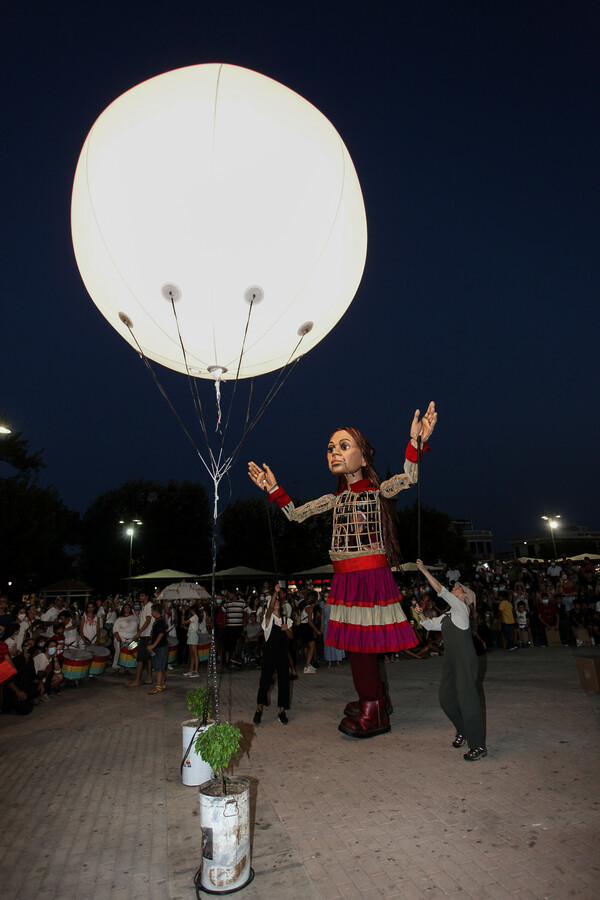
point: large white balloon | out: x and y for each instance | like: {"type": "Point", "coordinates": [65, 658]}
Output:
{"type": "Point", "coordinates": [214, 184]}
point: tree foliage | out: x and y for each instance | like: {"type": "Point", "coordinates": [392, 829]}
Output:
{"type": "Point", "coordinates": [35, 525]}
{"type": "Point", "coordinates": [244, 531]}
{"type": "Point", "coordinates": [438, 540]}
{"type": "Point", "coordinates": [175, 531]}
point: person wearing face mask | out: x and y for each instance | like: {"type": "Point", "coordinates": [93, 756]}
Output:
{"type": "Point", "coordinates": [458, 689]}
{"type": "Point", "coordinates": [47, 668]}
{"type": "Point", "coordinates": [25, 690]}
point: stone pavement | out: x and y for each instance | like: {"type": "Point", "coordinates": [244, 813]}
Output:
{"type": "Point", "coordinates": [93, 805]}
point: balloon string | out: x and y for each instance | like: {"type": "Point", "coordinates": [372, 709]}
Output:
{"type": "Point", "coordinates": [237, 374]}
{"type": "Point", "coordinates": [192, 384]}
{"type": "Point", "coordinates": [172, 408]}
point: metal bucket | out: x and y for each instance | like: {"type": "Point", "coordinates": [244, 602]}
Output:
{"type": "Point", "coordinates": [225, 823]}
{"type": "Point", "coordinates": [195, 771]}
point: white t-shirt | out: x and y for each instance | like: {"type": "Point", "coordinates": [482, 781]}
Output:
{"type": "Point", "coordinates": [146, 612]}
{"type": "Point", "coordinates": [126, 627]}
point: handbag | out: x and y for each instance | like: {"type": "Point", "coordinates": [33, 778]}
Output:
{"type": "Point", "coordinates": [7, 670]}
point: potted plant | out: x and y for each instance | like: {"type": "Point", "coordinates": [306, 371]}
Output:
{"type": "Point", "coordinates": [224, 814]}
{"type": "Point", "coordinates": [194, 769]}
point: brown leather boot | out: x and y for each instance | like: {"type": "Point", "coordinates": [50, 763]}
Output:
{"type": "Point", "coordinates": [353, 708]}
{"type": "Point", "coordinates": [371, 720]}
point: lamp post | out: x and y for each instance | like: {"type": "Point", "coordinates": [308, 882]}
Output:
{"type": "Point", "coordinates": [130, 531]}
{"type": "Point", "coordinates": [552, 524]}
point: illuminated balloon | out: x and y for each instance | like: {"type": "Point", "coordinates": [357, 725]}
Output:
{"type": "Point", "coordinates": [213, 186]}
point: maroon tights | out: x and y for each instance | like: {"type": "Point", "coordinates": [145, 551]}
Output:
{"type": "Point", "coordinates": [366, 676]}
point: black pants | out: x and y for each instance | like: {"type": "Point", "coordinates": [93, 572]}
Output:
{"type": "Point", "coordinates": [275, 658]}
{"type": "Point", "coordinates": [458, 690]}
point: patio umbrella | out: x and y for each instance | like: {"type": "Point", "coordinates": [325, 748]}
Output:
{"type": "Point", "coordinates": [183, 590]}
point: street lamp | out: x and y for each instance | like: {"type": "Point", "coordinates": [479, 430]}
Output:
{"type": "Point", "coordinates": [130, 531]}
{"type": "Point", "coordinates": [552, 524]}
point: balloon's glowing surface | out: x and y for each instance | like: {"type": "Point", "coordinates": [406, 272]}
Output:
{"type": "Point", "coordinates": [218, 180]}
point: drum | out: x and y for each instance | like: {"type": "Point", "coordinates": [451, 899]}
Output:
{"type": "Point", "coordinates": [104, 636]}
{"type": "Point", "coordinates": [100, 659]}
{"type": "Point", "coordinates": [128, 658]}
{"type": "Point", "coordinates": [203, 647]}
{"type": "Point", "coordinates": [173, 648]}
{"type": "Point", "coordinates": [76, 663]}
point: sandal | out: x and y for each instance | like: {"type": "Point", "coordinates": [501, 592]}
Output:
{"type": "Point", "coordinates": [157, 690]}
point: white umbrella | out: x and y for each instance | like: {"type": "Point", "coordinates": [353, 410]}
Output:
{"type": "Point", "coordinates": [183, 590]}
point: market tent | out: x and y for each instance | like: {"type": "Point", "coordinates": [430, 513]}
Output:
{"type": "Point", "coordinates": [163, 575]}
{"type": "Point", "coordinates": [319, 570]}
{"type": "Point", "coordinates": [240, 572]}
{"type": "Point", "coordinates": [581, 556]}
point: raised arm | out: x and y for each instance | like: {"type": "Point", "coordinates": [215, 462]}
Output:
{"type": "Point", "coordinates": [432, 581]}
{"type": "Point", "coordinates": [265, 479]}
{"type": "Point", "coordinates": [420, 427]}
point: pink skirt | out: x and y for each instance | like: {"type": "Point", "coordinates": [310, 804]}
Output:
{"type": "Point", "coordinates": [366, 615]}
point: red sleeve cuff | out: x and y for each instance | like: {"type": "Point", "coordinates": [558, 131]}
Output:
{"type": "Point", "coordinates": [279, 497]}
{"type": "Point", "coordinates": [411, 452]}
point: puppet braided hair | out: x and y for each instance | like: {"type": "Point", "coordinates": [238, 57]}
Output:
{"type": "Point", "coordinates": [389, 518]}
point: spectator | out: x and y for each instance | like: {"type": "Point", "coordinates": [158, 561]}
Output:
{"type": "Point", "coordinates": [554, 571]}
{"type": "Point", "coordinates": [144, 661]}
{"type": "Point", "coordinates": [235, 620]}
{"type": "Point", "coordinates": [508, 621]}
{"type": "Point", "coordinates": [452, 574]}
{"type": "Point", "coordinates": [309, 631]}
{"type": "Point", "coordinates": [25, 690]}
{"type": "Point", "coordinates": [89, 628]}
{"type": "Point", "coordinates": [5, 616]}
{"type": "Point", "coordinates": [522, 622]}
{"type": "Point", "coordinates": [191, 623]}
{"type": "Point", "coordinates": [47, 668]}
{"type": "Point", "coordinates": [124, 630]}
{"type": "Point", "coordinates": [548, 615]}
{"type": "Point", "coordinates": [159, 648]}
{"type": "Point", "coordinates": [578, 622]}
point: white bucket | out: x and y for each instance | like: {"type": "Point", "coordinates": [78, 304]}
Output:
{"type": "Point", "coordinates": [195, 771]}
{"type": "Point", "coordinates": [225, 823]}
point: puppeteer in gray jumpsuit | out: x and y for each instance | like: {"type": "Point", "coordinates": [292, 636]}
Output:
{"type": "Point", "coordinates": [458, 691]}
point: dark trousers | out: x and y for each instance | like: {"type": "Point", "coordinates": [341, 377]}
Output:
{"type": "Point", "coordinates": [275, 659]}
{"type": "Point", "coordinates": [458, 691]}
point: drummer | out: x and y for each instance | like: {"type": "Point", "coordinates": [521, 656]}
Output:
{"type": "Point", "coordinates": [124, 630]}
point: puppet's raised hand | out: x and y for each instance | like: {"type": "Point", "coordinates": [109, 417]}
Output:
{"type": "Point", "coordinates": [262, 478]}
{"type": "Point", "coordinates": [424, 426]}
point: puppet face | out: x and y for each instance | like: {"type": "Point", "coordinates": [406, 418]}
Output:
{"type": "Point", "coordinates": [344, 456]}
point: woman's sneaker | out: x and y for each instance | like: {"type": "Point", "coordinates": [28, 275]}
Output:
{"type": "Point", "coordinates": [309, 670]}
{"type": "Point", "coordinates": [257, 717]}
{"type": "Point", "coordinates": [283, 718]}
{"type": "Point", "coordinates": [459, 741]}
{"type": "Point", "coordinates": [475, 753]}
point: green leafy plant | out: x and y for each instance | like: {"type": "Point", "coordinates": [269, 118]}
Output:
{"type": "Point", "coordinates": [196, 699]}
{"type": "Point", "coordinates": [217, 746]}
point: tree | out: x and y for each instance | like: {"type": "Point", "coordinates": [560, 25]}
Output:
{"type": "Point", "coordinates": [175, 531]}
{"type": "Point", "coordinates": [244, 531]}
{"type": "Point", "coordinates": [438, 540]}
{"type": "Point", "coordinates": [35, 525]}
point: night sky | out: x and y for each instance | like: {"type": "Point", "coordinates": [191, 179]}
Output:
{"type": "Point", "coordinates": [474, 129]}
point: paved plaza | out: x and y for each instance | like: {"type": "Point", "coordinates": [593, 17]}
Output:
{"type": "Point", "coordinates": [93, 805]}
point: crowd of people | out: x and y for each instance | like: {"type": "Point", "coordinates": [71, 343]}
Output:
{"type": "Point", "coordinates": [517, 606]}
